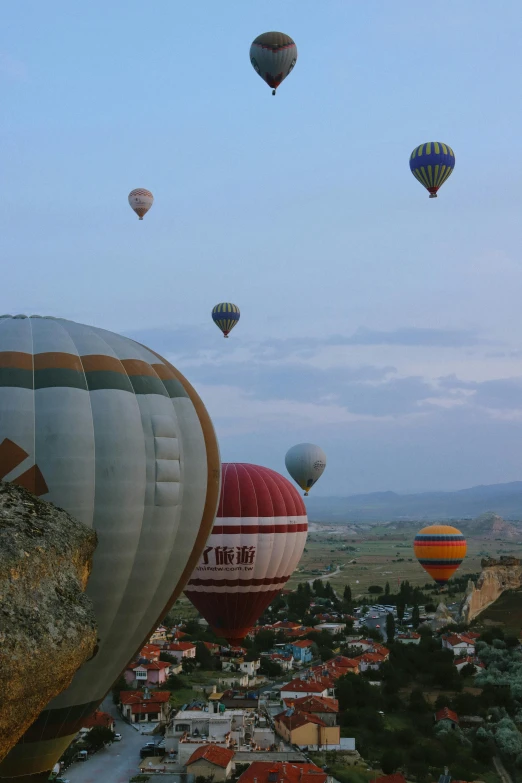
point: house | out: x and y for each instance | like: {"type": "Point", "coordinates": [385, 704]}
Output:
{"type": "Point", "coordinates": [408, 638]}
{"type": "Point", "coordinates": [298, 633]}
{"type": "Point", "coordinates": [371, 661]}
{"type": "Point", "coordinates": [321, 706]}
{"type": "Point", "coordinates": [305, 729]}
{"type": "Point", "coordinates": [302, 651]}
{"type": "Point", "coordinates": [286, 625]}
{"type": "Point", "coordinates": [159, 637]}
{"type": "Point", "coordinates": [297, 688]}
{"type": "Point", "coordinates": [150, 652]}
{"type": "Point", "coordinates": [195, 728]}
{"type": "Point", "coordinates": [181, 650]}
{"type": "Point", "coordinates": [99, 718]}
{"type": "Point", "coordinates": [145, 706]}
{"type": "Point", "coordinates": [235, 680]}
{"type": "Point", "coordinates": [211, 647]}
{"type": "Point", "coordinates": [285, 661]}
{"type": "Point", "coordinates": [459, 644]}
{"type": "Point", "coordinates": [282, 772]}
{"type": "Point", "coordinates": [211, 762]}
{"type": "Point", "coordinates": [179, 636]}
{"type": "Point", "coordinates": [151, 674]}
{"type": "Point", "coordinates": [250, 667]}
{"type": "Point", "coordinates": [333, 628]}
{"type": "Point", "coordinates": [447, 714]}
{"type": "Point", "coordinates": [461, 662]}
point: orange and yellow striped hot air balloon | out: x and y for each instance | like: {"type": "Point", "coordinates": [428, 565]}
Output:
{"type": "Point", "coordinates": [440, 549]}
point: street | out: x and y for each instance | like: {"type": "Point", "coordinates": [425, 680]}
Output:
{"type": "Point", "coordinates": [117, 763]}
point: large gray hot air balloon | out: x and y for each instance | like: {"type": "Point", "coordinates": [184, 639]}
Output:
{"type": "Point", "coordinates": [110, 431]}
{"type": "Point", "coordinates": [305, 463]}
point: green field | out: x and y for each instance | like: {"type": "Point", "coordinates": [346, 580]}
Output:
{"type": "Point", "coordinates": [379, 557]}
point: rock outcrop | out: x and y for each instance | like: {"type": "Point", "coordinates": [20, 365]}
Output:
{"type": "Point", "coordinates": [47, 625]}
{"type": "Point", "coordinates": [491, 526]}
{"type": "Point", "coordinates": [442, 618]}
{"type": "Point", "coordinates": [496, 577]}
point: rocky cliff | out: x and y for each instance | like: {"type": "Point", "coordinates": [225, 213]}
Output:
{"type": "Point", "coordinates": [47, 625]}
{"type": "Point", "coordinates": [496, 577]}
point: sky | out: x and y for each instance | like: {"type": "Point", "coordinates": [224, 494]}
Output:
{"type": "Point", "coordinates": [380, 324]}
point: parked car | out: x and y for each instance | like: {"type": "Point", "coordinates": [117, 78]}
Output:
{"type": "Point", "coordinates": [147, 751]}
{"type": "Point", "coordinates": [117, 737]}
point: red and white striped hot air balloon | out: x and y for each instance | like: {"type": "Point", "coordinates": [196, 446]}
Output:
{"type": "Point", "coordinates": [256, 543]}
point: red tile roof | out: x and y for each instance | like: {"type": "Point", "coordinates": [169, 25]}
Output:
{"type": "Point", "coordinates": [150, 651]}
{"type": "Point", "coordinates": [181, 646]}
{"type": "Point", "coordinates": [136, 697]}
{"type": "Point", "coordinates": [266, 771]}
{"type": "Point", "coordinates": [314, 704]}
{"type": "Point", "coordinates": [447, 714]}
{"type": "Point", "coordinates": [303, 686]}
{"type": "Point", "coordinates": [221, 757]}
{"type": "Point", "coordinates": [303, 644]}
{"type": "Point", "coordinates": [297, 719]}
{"type": "Point", "coordinates": [454, 639]}
{"type": "Point", "coordinates": [98, 719]}
{"type": "Point", "coordinates": [397, 777]}
{"type": "Point", "coordinates": [153, 666]}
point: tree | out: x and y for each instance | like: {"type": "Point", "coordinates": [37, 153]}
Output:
{"type": "Point", "coordinates": [167, 657]}
{"type": "Point", "coordinates": [417, 701]}
{"type": "Point", "coordinates": [391, 760]}
{"type": "Point", "coordinates": [375, 589]}
{"type": "Point", "coordinates": [347, 595]}
{"type": "Point", "coordinates": [188, 665]}
{"type": "Point", "coordinates": [99, 736]}
{"type": "Point", "coordinates": [270, 668]}
{"type": "Point", "coordinates": [387, 590]}
{"type": "Point", "coordinates": [174, 683]}
{"type": "Point", "coordinates": [204, 657]}
{"type": "Point", "coordinates": [390, 627]}
{"type": "Point", "coordinates": [401, 606]}
{"type": "Point", "coordinates": [415, 616]}
{"type": "Point", "coordinates": [265, 640]}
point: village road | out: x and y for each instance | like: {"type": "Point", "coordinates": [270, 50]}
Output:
{"type": "Point", "coordinates": [117, 763]}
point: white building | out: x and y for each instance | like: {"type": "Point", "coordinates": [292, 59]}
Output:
{"type": "Point", "coordinates": [192, 728]}
{"type": "Point", "coordinates": [333, 628]}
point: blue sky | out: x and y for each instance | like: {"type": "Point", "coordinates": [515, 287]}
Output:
{"type": "Point", "coordinates": [378, 323]}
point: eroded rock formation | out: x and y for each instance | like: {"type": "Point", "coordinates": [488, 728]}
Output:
{"type": "Point", "coordinates": [496, 577]}
{"type": "Point", "coordinates": [47, 625]}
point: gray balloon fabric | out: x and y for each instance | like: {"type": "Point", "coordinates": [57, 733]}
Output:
{"type": "Point", "coordinates": [111, 432]}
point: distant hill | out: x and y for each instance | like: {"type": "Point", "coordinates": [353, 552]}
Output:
{"type": "Point", "coordinates": [491, 526]}
{"type": "Point", "coordinates": [471, 503]}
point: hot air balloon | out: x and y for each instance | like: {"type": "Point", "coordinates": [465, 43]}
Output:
{"type": "Point", "coordinates": [273, 56]}
{"type": "Point", "coordinates": [305, 463]}
{"type": "Point", "coordinates": [432, 164]}
{"type": "Point", "coordinates": [225, 315]}
{"type": "Point", "coordinates": [440, 549]}
{"type": "Point", "coordinates": [110, 431]}
{"type": "Point", "coordinates": [141, 201]}
{"type": "Point", "coordinates": [256, 543]}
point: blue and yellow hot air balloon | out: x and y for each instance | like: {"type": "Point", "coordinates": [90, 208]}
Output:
{"type": "Point", "coordinates": [440, 549]}
{"type": "Point", "coordinates": [225, 315]}
{"type": "Point", "coordinates": [432, 164]}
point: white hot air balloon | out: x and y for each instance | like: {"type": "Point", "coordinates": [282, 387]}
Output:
{"type": "Point", "coordinates": [111, 432]}
{"type": "Point", "coordinates": [306, 463]}
{"type": "Point", "coordinates": [141, 201]}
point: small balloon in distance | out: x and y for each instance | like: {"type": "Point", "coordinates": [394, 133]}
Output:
{"type": "Point", "coordinates": [141, 201]}
{"type": "Point", "coordinates": [273, 56]}
{"type": "Point", "coordinates": [432, 164]}
{"type": "Point", "coordinates": [225, 315]}
{"type": "Point", "coordinates": [306, 463]}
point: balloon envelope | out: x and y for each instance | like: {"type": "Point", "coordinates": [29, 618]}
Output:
{"type": "Point", "coordinates": [256, 543]}
{"type": "Point", "coordinates": [440, 549]}
{"type": "Point", "coordinates": [108, 430]}
{"type": "Point", "coordinates": [225, 315]}
{"type": "Point", "coordinates": [432, 164]}
{"type": "Point", "coordinates": [273, 55]}
{"type": "Point", "coordinates": [141, 201]}
{"type": "Point", "coordinates": [305, 463]}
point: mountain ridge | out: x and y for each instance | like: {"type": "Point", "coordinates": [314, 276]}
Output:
{"type": "Point", "coordinates": [502, 499]}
